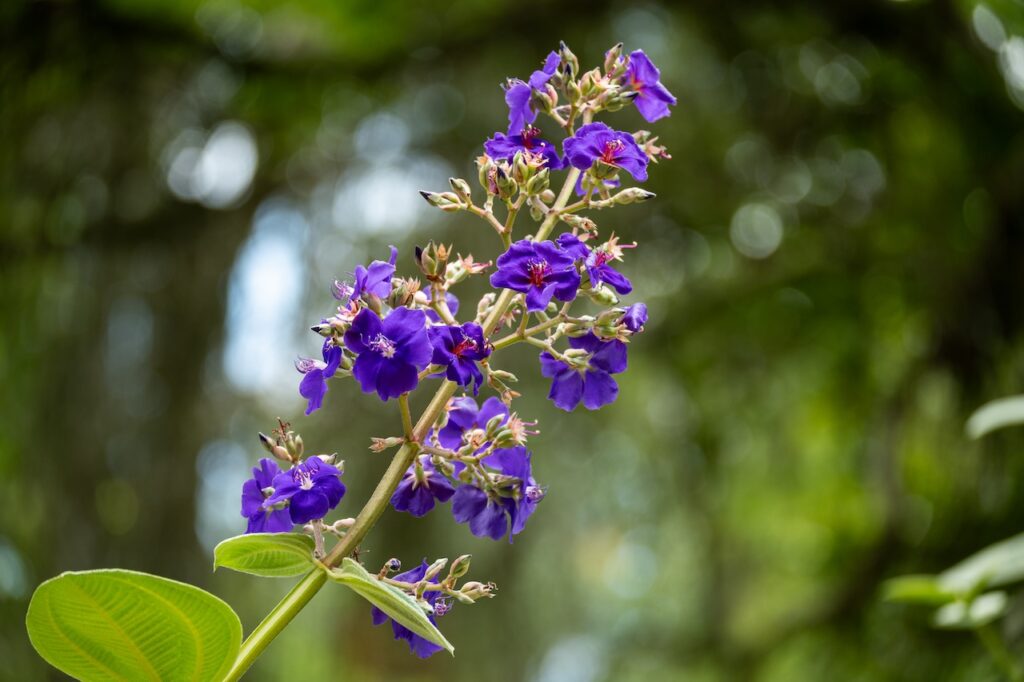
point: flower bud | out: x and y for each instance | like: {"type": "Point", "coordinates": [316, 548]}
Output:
{"type": "Point", "coordinates": [486, 170]}
{"type": "Point", "coordinates": [323, 329]}
{"type": "Point", "coordinates": [382, 444]}
{"type": "Point", "coordinates": [446, 201]}
{"type": "Point", "coordinates": [538, 183]}
{"type": "Point", "coordinates": [612, 59]}
{"type": "Point", "coordinates": [590, 83]}
{"type": "Point", "coordinates": [632, 195]}
{"type": "Point", "coordinates": [547, 196]}
{"type": "Point", "coordinates": [493, 424]}
{"type": "Point", "coordinates": [506, 184]}
{"type": "Point", "coordinates": [616, 99]}
{"type": "Point", "coordinates": [603, 296]}
{"type": "Point", "coordinates": [434, 569]}
{"type": "Point", "coordinates": [571, 61]}
{"type": "Point", "coordinates": [460, 567]}
{"type": "Point", "coordinates": [461, 189]}
{"type": "Point", "coordinates": [432, 260]}
{"type": "Point", "coordinates": [578, 222]}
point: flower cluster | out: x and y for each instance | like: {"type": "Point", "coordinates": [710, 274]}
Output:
{"type": "Point", "coordinates": [390, 334]}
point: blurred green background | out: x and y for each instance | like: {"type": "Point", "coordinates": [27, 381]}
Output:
{"type": "Point", "coordinates": [834, 267]}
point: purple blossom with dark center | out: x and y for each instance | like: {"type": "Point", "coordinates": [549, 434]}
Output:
{"type": "Point", "coordinates": [418, 645]}
{"type": "Point", "coordinates": [653, 98]}
{"type": "Point", "coordinates": [390, 353]}
{"type": "Point", "coordinates": [503, 147]}
{"type": "Point", "coordinates": [464, 415]}
{"type": "Point", "coordinates": [459, 348]}
{"type": "Point", "coordinates": [263, 518]}
{"type": "Point", "coordinates": [518, 94]}
{"type": "Point", "coordinates": [538, 269]}
{"type": "Point", "coordinates": [635, 317]}
{"type": "Point", "coordinates": [592, 384]}
{"type": "Point", "coordinates": [491, 515]}
{"type": "Point", "coordinates": [597, 261]}
{"type": "Point", "coordinates": [313, 386]}
{"type": "Point", "coordinates": [420, 487]}
{"type": "Point", "coordinates": [312, 489]}
{"type": "Point", "coordinates": [453, 307]}
{"type": "Point", "coordinates": [597, 142]}
{"type": "Point", "coordinates": [375, 279]}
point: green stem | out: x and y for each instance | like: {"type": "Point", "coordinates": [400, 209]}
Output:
{"type": "Point", "coordinates": [403, 405]}
{"type": "Point", "coordinates": [1000, 654]}
{"type": "Point", "coordinates": [294, 601]}
{"type": "Point", "coordinates": [299, 596]}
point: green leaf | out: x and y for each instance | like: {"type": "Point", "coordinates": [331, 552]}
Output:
{"type": "Point", "coordinates": [272, 555]}
{"type": "Point", "coordinates": [917, 589]}
{"type": "Point", "coordinates": [961, 615]}
{"type": "Point", "coordinates": [389, 599]}
{"type": "Point", "coordinates": [123, 625]}
{"type": "Point", "coordinates": [996, 565]}
{"type": "Point", "coordinates": [996, 414]}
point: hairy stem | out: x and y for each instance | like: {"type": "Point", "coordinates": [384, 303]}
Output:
{"type": "Point", "coordinates": [299, 596]}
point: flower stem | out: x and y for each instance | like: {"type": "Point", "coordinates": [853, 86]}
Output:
{"type": "Point", "coordinates": [403, 405]}
{"type": "Point", "coordinates": [289, 607]}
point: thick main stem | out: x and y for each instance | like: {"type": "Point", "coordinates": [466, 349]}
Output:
{"type": "Point", "coordinates": [299, 596]}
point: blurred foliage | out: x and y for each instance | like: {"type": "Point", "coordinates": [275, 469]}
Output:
{"type": "Point", "coordinates": [833, 267]}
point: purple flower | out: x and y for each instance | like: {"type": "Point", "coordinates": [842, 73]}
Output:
{"type": "Point", "coordinates": [375, 279]}
{"type": "Point", "coordinates": [390, 354]}
{"type": "Point", "coordinates": [490, 515]}
{"type": "Point", "coordinates": [635, 317]}
{"type": "Point", "coordinates": [459, 349]}
{"type": "Point", "coordinates": [262, 518]}
{"type": "Point", "coordinates": [503, 147]}
{"type": "Point", "coordinates": [653, 98]}
{"type": "Point", "coordinates": [518, 94]}
{"type": "Point", "coordinates": [312, 488]}
{"type": "Point", "coordinates": [538, 269]}
{"type": "Point", "coordinates": [420, 487]}
{"type": "Point", "coordinates": [597, 261]}
{"type": "Point", "coordinates": [598, 142]}
{"type": "Point", "coordinates": [592, 384]}
{"type": "Point", "coordinates": [313, 386]}
{"type": "Point", "coordinates": [418, 645]}
{"type": "Point", "coordinates": [464, 416]}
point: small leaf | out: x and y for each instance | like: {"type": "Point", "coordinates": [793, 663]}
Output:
{"type": "Point", "coordinates": [996, 414]}
{"type": "Point", "coordinates": [916, 589]}
{"type": "Point", "coordinates": [123, 625]}
{"type": "Point", "coordinates": [272, 555]}
{"type": "Point", "coordinates": [996, 565]}
{"type": "Point", "coordinates": [389, 599]}
{"type": "Point", "coordinates": [961, 615]}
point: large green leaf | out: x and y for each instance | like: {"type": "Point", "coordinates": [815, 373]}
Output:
{"type": "Point", "coordinates": [996, 414]}
{"type": "Point", "coordinates": [389, 599]}
{"type": "Point", "coordinates": [274, 555]}
{"type": "Point", "coordinates": [996, 565]}
{"type": "Point", "coordinates": [123, 625]}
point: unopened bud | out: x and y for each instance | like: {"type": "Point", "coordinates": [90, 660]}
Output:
{"type": "Point", "coordinates": [493, 424]}
{"type": "Point", "coordinates": [486, 171]}
{"type": "Point", "coordinates": [506, 184]}
{"type": "Point", "coordinates": [547, 196]}
{"type": "Point", "coordinates": [538, 183]}
{"type": "Point", "coordinates": [611, 59]}
{"type": "Point", "coordinates": [632, 195]}
{"type": "Point", "coordinates": [460, 567]}
{"type": "Point", "coordinates": [382, 444]}
{"type": "Point", "coordinates": [571, 61]}
{"type": "Point", "coordinates": [446, 201]}
{"type": "Point", "coordinates": [578, 222]}
{"type": "Point", "coordinates": [461, 189]}
{"type": "Point", "coordinates": [603, 296]}
{"type": "Point", "coordinates": [590, 84]}
{"type": "Point", "coordinates": [435, 568]}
